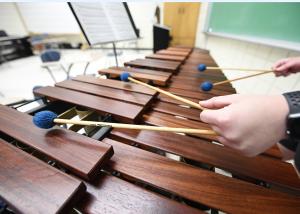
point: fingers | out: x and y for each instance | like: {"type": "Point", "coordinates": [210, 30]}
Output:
{"type": "Point", "coordinates": [216, 129]}
{"type": "Point", "coordinates": [209, 116]}
{"type": "Point", "coordinates": [279, 63]}
{"type": "Point", "coordinates": [283, 67]}
{"type": "Point", "coordinates": [277, 67]}
{"type": "Point", "coordinates": [219, 102]}
{"type": "Point", "coordinates": [224, 141]}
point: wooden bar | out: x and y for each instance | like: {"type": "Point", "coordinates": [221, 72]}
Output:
{"type": "Point", "coordinates": [194, 83]}
{"type": "Point", "coordinates": [202, 186]}
{"type": "Point", "coordinates": [144, 75]}
{"type": "Point", "coordinates": [112, 195]}
{"type": "Point", "coordinates": [77, 153]}
{"type": "Point", "coordinates": [29, 185]}
{"type": "Point", "coordinates": [172, 53]}
{"type": "Point", "coordinates": [107, 92]}
{"type": "Point", "coordinates": [189, 94]}
{"type": "Point", "coordinates": [125, 112]}
{"type": "Point", "coordinates": [166, 57]}
{"type": "Point", "coordinates": [204, 76]}
{"type": "Point", "coordinates": [167, 99]}
{"type": "Point", "coordinates": [208, 75]}
{"type": "Point", "coordinates": [196, 94]}
{"type": "Point", "coordinates": [274, 152]}
{"type": "Point", "coordinates": [260, 167]}
{"type": "Point", "coordinates": [192, 86]}
{"type": "Point", "coordinates": [115, 84]}
{"type": "Point", "coordinates": [175, 110]}
{"type": "Point", "coordinates": [199, 50]}
{"type": "Point", "coordinates": [187, 50]}
{"type": "Point", "coordinates": [161, 119]}
{"type": "Point", "coordinates": [217, 91]}
{"type": "Point", "coordinates": [162, 65]}
{"type": "Point", "coordinates": [144, 71]}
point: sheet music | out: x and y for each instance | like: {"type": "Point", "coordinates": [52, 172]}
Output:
{"type": "Point", "coordinates": [104, 21]}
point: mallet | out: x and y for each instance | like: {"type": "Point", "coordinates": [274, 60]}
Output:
{"type": "Point", "coordinates": [207, 86]}
{"type": "Point", "coordinates": [203, 67]}
{"type": "Point", "coordinates": [126, 77]}
{"type": "Point", "coordinates": [48, 119]}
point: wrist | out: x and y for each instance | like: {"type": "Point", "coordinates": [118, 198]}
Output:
{"type": "Point", "coordinates": [283, 109]}
{"type": "Point", "coordinates": [293, 117]}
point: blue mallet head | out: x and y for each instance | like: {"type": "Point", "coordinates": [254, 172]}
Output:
{"type": "Point", "coordinates": [201, 67]}
{"type": "Point", "coordinates": [206, 86]}
{"type": "Point", "coordinates": [124, 76]}
{"type": "Point", "coordinates": [44, 119]}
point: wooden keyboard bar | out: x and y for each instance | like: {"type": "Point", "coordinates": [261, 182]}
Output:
{"type": "Point", "coordinates": [172, 53]}
{"type": "Point", "coordinates": [198, 50]}
{"type": "Point", "coordinates": [166, 57]}
{"type": "Point", "coordinates": [189, 69]}
{"type": "Point", "coordinates": [162, 65]}
{"type": "Point", "coordinates": [168, 108]}
{"type": "Point", "coordinates": [144, 71]}
{"type": "Point", "coordinates": [115, 84]}
{"type": "Point", "coordinates": [168, 99]}
{"type": "Point", "coordinates": [195, 94]}
{"type": "Point", "coordinates": [189, 94]}
{"type": "Point", "coordinates": [145, 76]}
{"type": "Point", "coordinates": [203, 76]}
{"type": "Point", "coordinates": [124, 112]}
{"type": "Point", "coordinates": [112, 195]}
{"type": "Point", "coordinates": [187, 50]}
{"type": "Point", "coordinates": [202, 186]}
{"type": "Point", "coordinates": [161, 119]}
{"type": "Point", "coordinates": [193, 84]}
{"type": "Point", "coordinates": [274, 152]}
{"type": "Point", "coordinates": [30, 186]}
{"type": "Point", "coordinates": [260, 167]}
{"type": "Point", "coordinates": [77, 153]}
{"type": "Point", "coordinates": [190, 72]}
{"type": "Point", "coordinates": [107, 92]}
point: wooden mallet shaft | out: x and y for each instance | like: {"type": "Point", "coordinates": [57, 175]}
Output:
{"type": "Point", "coordinates": [237, 69]}
{"type": "Point", "coordinates": [137, 127]}
{"type": "Point", "coordinates": [190, 103]}
{"type": "Point", "coordinates": [240, 78]}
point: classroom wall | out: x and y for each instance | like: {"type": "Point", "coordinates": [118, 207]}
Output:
{"type": "Point", "coordinates": [10, 20]}
{"type": "Point", "coordinates": [142, 13]}
{"type": "Point", "coordinates": [235, 53]}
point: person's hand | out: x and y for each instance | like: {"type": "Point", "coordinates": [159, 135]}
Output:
{"type": "Point", "coordinates": [284, 67]}
{"type": "Point", "coordinates": [249, 124]}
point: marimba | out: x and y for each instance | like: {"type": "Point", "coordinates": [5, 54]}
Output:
{"type": "Point", "coordinates": [104, 170]}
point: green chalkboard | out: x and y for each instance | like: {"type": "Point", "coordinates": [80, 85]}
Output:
{"type": "Point", "coordinates": [279, 21]}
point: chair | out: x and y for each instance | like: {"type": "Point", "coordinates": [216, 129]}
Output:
{"type": "Point", "coordinates": [52, 58]}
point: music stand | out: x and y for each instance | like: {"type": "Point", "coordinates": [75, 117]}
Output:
{"type": "Point", "coordinates": [105, 22]}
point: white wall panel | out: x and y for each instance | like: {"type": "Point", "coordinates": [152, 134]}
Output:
{"type": "Point", "coordinates": [10, 20]}
{"type": "Point", "coordinates": [48, 17]}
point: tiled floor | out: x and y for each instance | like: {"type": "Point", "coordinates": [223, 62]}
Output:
{"type": "Point", "coordinates": [18, 77]}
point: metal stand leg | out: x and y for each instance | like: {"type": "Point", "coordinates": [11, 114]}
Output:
{"type": "Point", "coordinates": [85, 69]}
{"type": "Point", "coordinates": [115, 53]}
{"type": "Point", "coordinates": [67, 72]}
{"type": "Point", "coordinates": [51, 74]}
